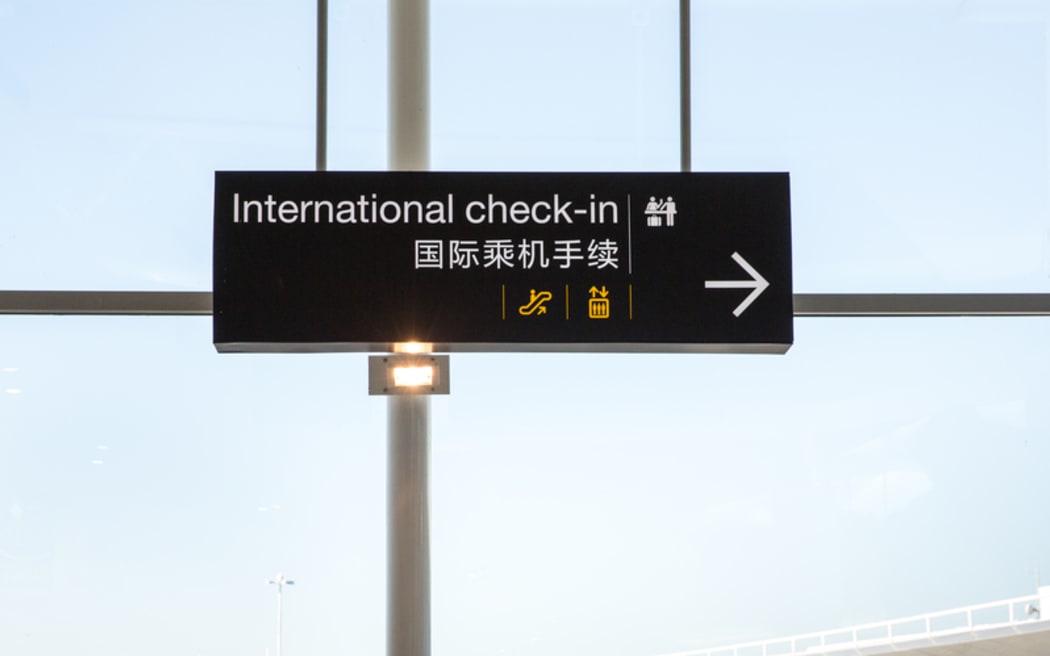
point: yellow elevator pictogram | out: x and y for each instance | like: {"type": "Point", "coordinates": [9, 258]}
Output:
{"type": "Point", "coordinates": [598, 306]}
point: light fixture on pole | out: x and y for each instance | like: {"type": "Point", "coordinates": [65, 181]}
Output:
{"type": "Point", "coordinates": [408, 374]}
{"type": "Point", "coordinates": [280, 582]}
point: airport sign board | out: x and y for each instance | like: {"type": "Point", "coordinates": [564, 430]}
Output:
{"type": "Point", "coordinates": [502, 262]}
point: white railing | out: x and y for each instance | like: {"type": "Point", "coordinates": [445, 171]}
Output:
{"type": "Point", "coordinates": [1007, 613]}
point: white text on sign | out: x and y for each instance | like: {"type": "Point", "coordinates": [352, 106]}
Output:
{"type": "Point", "coordinates": [370, 209]}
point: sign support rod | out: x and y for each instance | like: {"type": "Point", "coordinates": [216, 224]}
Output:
{"type": "Point", "coordinates": [408, 416]}
{"type": "Point", "coordinates": [685, 84]}
{"type": "Point", "coordinates": [321, 148]}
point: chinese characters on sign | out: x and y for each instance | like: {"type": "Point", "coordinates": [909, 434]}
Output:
{"type": "Point", "coordinates": [505, 254]}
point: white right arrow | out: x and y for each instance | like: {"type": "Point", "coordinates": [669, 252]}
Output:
{"type": "Point", "coordinates": [757, 284]}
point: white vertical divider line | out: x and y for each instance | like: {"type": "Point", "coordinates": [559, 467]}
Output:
{"type": "Point", "coordinates": [630, 248]}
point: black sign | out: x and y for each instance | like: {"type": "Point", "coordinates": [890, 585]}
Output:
{"type": "Point", "coordinates": [620, 262]}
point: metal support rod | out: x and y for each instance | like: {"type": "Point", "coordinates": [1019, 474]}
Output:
{"type": "Point", "coordinates": [408, 547]}
{"type": "Point", "coordinates": [685, 84]}
{"type": "Point", "coordinates": [106, 303]}
{"type": "Point", "coordinates": [408, 526]}
{"type": "Point", "coordinates": [409, 85]}
{"type": "Point", "coordinates": [322, 85]}
{"type": "Point", "coordinates": [921, 305]}
{"type": "Point", "coordinates": [129, 303]}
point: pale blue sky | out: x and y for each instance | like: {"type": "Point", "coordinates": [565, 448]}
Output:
{"type": "Point", "coordinates": [624, 505]}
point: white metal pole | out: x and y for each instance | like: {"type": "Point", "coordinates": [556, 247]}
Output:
{"type": "Point", "coordinates": [409, 86]}
{"type": "Point", "coordinates": [408, 564]}
{"type": "Point", "coordinates": [408, 420]}
{"type": "Point", "coordinates": [279, 586]}
{"type": "Point", "coordinates": [280, 582]}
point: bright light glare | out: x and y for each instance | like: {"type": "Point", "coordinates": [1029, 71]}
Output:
{"type": "Point", "coordinates": [413, 347]}
{"type": "Point", "coordinates": [413, 376]}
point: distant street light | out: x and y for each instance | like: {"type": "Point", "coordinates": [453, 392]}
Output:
{"type": "Point", "coordinates": [280, 582]}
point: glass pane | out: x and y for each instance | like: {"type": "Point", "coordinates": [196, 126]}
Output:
{"type": "Point", "coordinates": [114, 116]}
{"type": "Point", "coordinates": [149, 488]}
{"type": "Point", "coordinates": [357, 85]}
{"type": "Point", "coordinates": [915, 133]}
{"type": "Point", "coordinates": [573, 85]}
